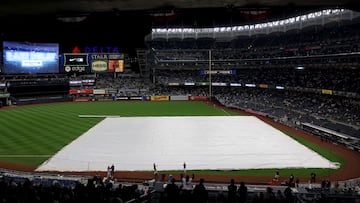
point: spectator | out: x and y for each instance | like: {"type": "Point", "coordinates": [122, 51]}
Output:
{"type": "Point", "coordinates": [200, 193]}
{"type": "Point", "coordinates": [276, 176]}
{"type": "Point", "coordinates": [313, 177]}
{"type": "Point", "coordinates": [232, 189]}
{"type": "Point", "coordinates": [288, 195]}
{"type": "Point", "coordinates": [243, 192]}
{"type": "Point", "coordinates": [171, 192]}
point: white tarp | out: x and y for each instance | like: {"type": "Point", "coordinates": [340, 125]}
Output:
{"type": "Point", "coordinates": [203, 142]}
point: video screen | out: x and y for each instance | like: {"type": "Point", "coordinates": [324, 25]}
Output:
{"type": "Point", "coordinates": [30, 58]}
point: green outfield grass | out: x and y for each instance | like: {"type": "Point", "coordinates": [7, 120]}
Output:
{"type": "Point", "coordinates": [31, 134]}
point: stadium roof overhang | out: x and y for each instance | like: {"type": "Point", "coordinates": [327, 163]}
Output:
{"type": "Point", "coordinates": [35, 7]}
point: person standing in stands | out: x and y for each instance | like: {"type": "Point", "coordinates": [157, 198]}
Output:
{"type": "Point", "coordinates": [184, 165]}
{"type": "Point", "coordinates": [291, 181]}
{"type": "Point", "coordinates": [112, 170]}
{"type": "Point", "coordinates": [155, 172]}
{"type": "Point", "coordinates": [242, 192]}
{"type": "Point", "coordinates": [277, 176]}
{"type": "Point", "coordinates": [313, 177]}
{"type": "Point", "coordinates": [186, 187]}
{"type": "Point", "coordinates": [200, 193]}
{"type": "Point", "coordinates": [187, 182]}
{"type": "Point", "coordinates": [108, 172]}
{"type": "Point", "coordinates": [232, 189]}
{"type": "Point", "coordinates": [171, 192]}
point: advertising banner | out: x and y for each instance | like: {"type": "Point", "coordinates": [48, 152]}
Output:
{"type": "Point", "coordinates": [122, 98]}
{"type": "Point", "coordinates": [219, 84]}
{"type": "Point", "coordinates": [2, 85]}
{"type": "Point", "coordinates": [81, 91]}
{"type": "Point", "coordinates": [75, 69]}
{"type": "Point", "coordinates": [224, 72]}
{"type": "Point", "coordinates": [324, 91]}
{"type": "Point", "coordinates": [111, 91]}
{"type": "Point", "coordinates": [202, 83]}
{"type": "Point", "coordinates": [198, 98]}
{"type": "Point", "coordinates": [99, 91]}
{"type": "Point", "coordinates": [159, 98]}
{"type": "Point", "coordinates": [129, 98]}
{"type": "Point", "coordinates": [74, 83]}
{"type": "Point", "coordinates": [136, 98]}
{"type": "Point", "coordinates": [116, 66]}
{"type": "Point", "coordinates": [265, 86]}
{"type": "Point", "coordinates": [4, 95]}
{"type": "Point", "coordinates": [179, 98]}
{"type": "Point", "coordinates": [71, 59]}
{"type": "Point", "coordinates": [116, 56]}
{"type": "Point", "coordinates": [99, 66]}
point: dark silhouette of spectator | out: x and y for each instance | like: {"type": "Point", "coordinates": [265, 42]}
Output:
{"type": "Point", "coordinates": [279, 196]}
{"type": "Point", "coordinates": [112, 170]}
{"type": "Point", "coordinates": [171, 192]}
{"type": "Point", "coordinates": [243, 192]}
{"type": "Point", "coordinates": [269, 195]}
{"type": "Point", "coordinates": [220, 197]}
{"type": "Point", "coordinates": [288, 195]}
{"type": "Point", "coordinates": [297, 181]}
{"type": "Point", "coordinates": [328, 184]}
{"type": "Point", "coordinates": [155, 172]}
{"type": "Point", "coordinates": [200, 193]}
{"type": "Point", "coordinates": [258, 198]}
{"type": "Point", "coordinates": [232, 189]}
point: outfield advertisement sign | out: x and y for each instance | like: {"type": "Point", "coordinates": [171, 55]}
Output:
{"type": "Point", "coordinates": [89, 91]}
{"type": "Point", "coordinates": [99, 91]}
{"type": "Point", "coordinates": [198, 98]}
{"type": "Point", "coordinates": [159, 98]}
{"type": "Point", "coordinates": [129, 98]}
{"type": "Point", "coordinates": [179, 98]}
{"type": "Point", "coordinates": [325, 91]}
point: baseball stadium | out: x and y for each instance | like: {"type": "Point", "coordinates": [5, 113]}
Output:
{"type": "Point", "coordinates": [258, 104]}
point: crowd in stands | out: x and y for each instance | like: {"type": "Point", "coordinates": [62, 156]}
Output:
{"type": "Point", "coordinates": [95, 190]}
{"type": "Point", "coordinates": [185, 189]}
{"type": "Point", "coordinates": [126, 85]}
{"type": "Point", "coordinates": [318, 78]}
{"type": "Point", "coordinates": [291, 105]}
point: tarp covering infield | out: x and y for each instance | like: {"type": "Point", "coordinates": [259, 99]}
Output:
{"type": "Point", "coordinates": [203, 142]}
